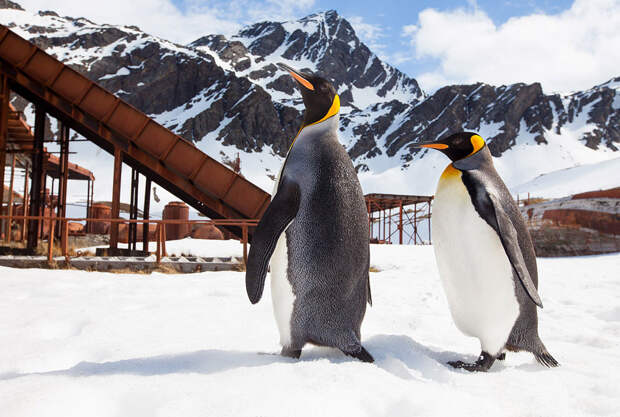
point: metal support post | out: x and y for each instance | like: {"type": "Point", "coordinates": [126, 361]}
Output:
{"type": "Point", "coordinates": [116, 195]}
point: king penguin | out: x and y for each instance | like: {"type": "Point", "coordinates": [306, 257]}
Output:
{"type": "Point", "coordinates": [314, 234]}
{"type": "Point", "coordinates": [485, 255]}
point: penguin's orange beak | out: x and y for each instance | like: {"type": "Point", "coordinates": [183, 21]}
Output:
{"type": "Point", "coordinates": [297, 75]}
{"type": "Point", "coordinates": [434, 145]}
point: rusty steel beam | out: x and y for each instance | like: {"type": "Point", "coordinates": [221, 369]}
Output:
{"type": "Point", "coordinates": [109, 122]}
{"type": "Point", "coordinates": [4, 114]}
{"type": "Point", "coordinates": [35, 186]}
{"type": "Point", "coordinates": [146, 214]}
{"type": "Point", "coordinates": [116, 197]}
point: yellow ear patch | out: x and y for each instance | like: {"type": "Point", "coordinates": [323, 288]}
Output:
{"type": "Point", "coordinates": [333, 110]}
{"type": "Point", "coordinates": [477, 142]}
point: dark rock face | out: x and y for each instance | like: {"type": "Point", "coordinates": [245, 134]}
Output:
{"type": "Point", "coordinates": [231, 90]}
{"type": "Point", "coordinates": [7, 4]}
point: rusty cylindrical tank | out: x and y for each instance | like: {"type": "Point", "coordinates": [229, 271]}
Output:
{"type": "Point", "coordinates": [100, 211]}
{"type": "Point", "coordinates": [176, 210]}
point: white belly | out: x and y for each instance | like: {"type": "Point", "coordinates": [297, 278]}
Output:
{"type": "Point", "coordinates": [475, 272]}
{"type": "Point", "coordinates": [282, 297]}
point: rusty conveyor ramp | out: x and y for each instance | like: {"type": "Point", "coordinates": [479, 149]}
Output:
{"type": "Point", "coordinates": [111, 123]}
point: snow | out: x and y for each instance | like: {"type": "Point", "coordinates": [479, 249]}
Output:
{"type": "Point", "coordinates": [100, 344]}
{"type": "Point", "coordinates": [121, 71]}
{"type": "Point", "coordinates": [579, 179]}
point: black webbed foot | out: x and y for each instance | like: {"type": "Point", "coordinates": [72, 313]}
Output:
{"type": "Point", "coordinates": [501, 356]}
{"type": "Point", "coordinates": [483, 363]}
{"type": "Point", "coordinates": [291, 353]}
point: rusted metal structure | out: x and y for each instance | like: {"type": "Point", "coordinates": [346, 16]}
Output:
{"type": "Point", "coordinates": [387, 210]}
{"type": "Point", "coordinates": [19, 153]}
{"type": "Point", "coordinates": [132, 137]}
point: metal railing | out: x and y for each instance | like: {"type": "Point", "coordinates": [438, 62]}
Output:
{"type": "Point", "coordinates": [160, 231]}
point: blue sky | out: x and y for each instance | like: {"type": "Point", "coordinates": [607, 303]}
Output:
{"type": "Point", "coordinates": [566, 45]}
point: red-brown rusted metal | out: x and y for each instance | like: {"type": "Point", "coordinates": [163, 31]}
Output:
{"type": "Point", "coordinates": [176, 210]}
{"type": "Point", "coordinates": [109, 122]}
{"type": "Point", "coordinates": [383, 205]}
{"type": "Point", "coordinates": [100, 211]}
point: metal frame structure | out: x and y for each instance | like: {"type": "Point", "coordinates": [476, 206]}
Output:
{"type": "Point", "coordinates": [383, 204]}
{"type": "Point", "coordinates": [115, 126]}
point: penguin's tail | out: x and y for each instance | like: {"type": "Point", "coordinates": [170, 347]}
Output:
{"type": "Point", "coordinates": [544, 357]}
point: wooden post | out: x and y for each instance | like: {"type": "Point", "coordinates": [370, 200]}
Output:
{"type": "Point", "coordinates": [10, 210]}
{"type": "Point", "coordinates": [35, 186]}
{"type": "Point", "coordinates": [4, 128]}
{"type": "Point", "coordinates": [116, 195]}
{"type": "Point", "coordinates": [400, 222]}
{"type": "Point", "coordinates": [245, 243]}
{"type": "Point", "coordinates": [146, 215]}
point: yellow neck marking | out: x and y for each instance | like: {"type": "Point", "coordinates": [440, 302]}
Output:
{"type": "Point", "coordinates": [333, 110]}
{"type": "Point", "coordinates": [477, 142]}
{"type": "Point", "coordinates": [449, 173]}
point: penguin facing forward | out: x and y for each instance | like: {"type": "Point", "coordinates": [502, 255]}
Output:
{"type": "Point", "coordinates": [485, 255]}
{"type": "Point", "coordinates": [315, 235]}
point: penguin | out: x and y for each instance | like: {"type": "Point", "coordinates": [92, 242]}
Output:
{"type": "Point", "coordinates": [314, 235]}
{"type": "Point", "coordinates": [485, 255]}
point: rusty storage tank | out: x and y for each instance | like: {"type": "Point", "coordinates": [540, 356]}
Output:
{"type": "Point", "coordinates": [176, 210]}
{"type": "Point", "coordinates": [100, 211]}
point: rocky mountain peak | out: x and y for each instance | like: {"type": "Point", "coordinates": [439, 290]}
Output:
{"type": "Point", "coordinates": [7, 4]}
{"type": "Point", "coordinates": [227, 95]}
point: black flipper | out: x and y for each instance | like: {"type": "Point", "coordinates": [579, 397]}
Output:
{"type": "Point", "coordinates": [510, 241]}
{"type": "Point", "coordinates": [483, 364]}
{"type": "Point", "coordinates": [480, 179]}
{"type": "Point", "coordinates": [281, 211]}
{"type": "Point", "coordinates": [369, 293]}
{"type": "Point", "coordinates": [361, 355]}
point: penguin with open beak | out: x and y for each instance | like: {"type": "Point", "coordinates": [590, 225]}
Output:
{"type": "Point", "coordinates": [314, 234]}
{"type": "Point", "coordinates": [485, 255]}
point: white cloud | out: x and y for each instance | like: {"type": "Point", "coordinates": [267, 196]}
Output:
{"type": "Point", "coordinates": [572, 50]}
{"type": "Point", "coordinates": [369, 33]}
{"type": "Point", "coordinates": [163, 18]}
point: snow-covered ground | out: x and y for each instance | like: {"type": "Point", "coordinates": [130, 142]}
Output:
{"type": "Point", "coordinates": [75, 343]}
{"type": "Point", "coordinates": [589, 177]}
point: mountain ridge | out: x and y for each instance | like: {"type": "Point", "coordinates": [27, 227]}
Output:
{"type": "Point", "coordinates": [227, 96]}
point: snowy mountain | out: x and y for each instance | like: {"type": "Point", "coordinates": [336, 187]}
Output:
{"type": "Point", "coordinates": [228, 97]}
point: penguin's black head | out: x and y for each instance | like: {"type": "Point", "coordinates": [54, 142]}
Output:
{"type": "Point", "coordinates": [319, 95]}
{"type": "Point", "coordinates": [458, 146]}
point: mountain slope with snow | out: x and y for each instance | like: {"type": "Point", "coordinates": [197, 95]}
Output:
{"type": "Point", "coordinates": [228, 97]}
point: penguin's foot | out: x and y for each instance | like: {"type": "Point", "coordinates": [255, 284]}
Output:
{"type": "Point", "coordinates": [483, 363]}
{"type": "Point", "coordinates": [361, 354]}
{"type": "Point", "coordinates": [291, 353]}
{"type": "Point", "coordinates": [501, 356]}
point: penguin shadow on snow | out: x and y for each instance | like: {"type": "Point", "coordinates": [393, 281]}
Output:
{"type": "Point", "coordinates": [201, 362]}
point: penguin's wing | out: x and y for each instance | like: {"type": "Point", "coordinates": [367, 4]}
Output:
{"type": "Point", "coordinates": [510, 241]}
{"type": "Point", "coordinates": [281, 211]}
